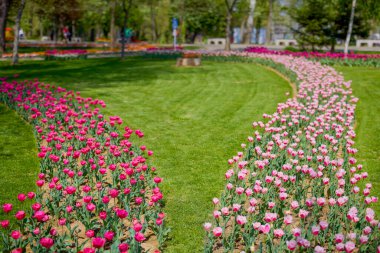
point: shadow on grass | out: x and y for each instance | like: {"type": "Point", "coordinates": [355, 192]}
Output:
{"type": "Point", "coordinates": [99, 73]}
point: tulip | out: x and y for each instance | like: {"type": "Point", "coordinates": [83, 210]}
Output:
{"type": "Point", "coordinates": [123, 247]}
{"type": "Point", "coordinates": [7, 208]}
{"type": "Point", "coordinates": [98, 242]}
{"type": "Point", "coordinates": [109, 235]}
{"type": "Point", "coordinates": [20, 215]}
{"type": "Point", "coordinates": [139, 237]}
{"type": "Point", "coordinates": [15, 234]}
{"type": "Point", "coordinates": [46, 242]}
{"type": "Point", "coordinates": [291, 245]}
{"type": "Point", "coordinates": [217, 231]}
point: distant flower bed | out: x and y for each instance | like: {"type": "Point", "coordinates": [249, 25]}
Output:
{"type": "Point", "coordinates": [178, 48]}
{"type": "Point", "coordinates": [25, 55]}
{"type": "Point", "coordinates": [350, 59]}
{"type": "Point", "coordinates": [66, 54]}
{"type": "Point", "coordinates": [97, 191]}
{"type": "Point", "coordinates": [191, 55]}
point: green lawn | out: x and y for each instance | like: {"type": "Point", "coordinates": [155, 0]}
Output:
{"type": "Point", "coordinates": [193, 118]}
{"type": "Point", "coordinates": [18, 158]}
{"type": "Point", "coordinates": [366, 86]}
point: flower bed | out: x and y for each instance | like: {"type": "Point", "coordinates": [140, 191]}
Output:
{"type": "Point", "coordinates": [65, 54]}
{"type": "Point", "coordinates": [295, 185]}
{"type": "Point", "coordinates": [96, 190]}
{"type": "Point", "coordinates": [177, 48]}
{"type": "Point", "coordinates": [328, 58]}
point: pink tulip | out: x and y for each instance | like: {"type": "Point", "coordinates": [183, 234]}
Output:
{"type": "Point", "coordinates": [139, 237]}
{"type": "Point", "coordinates": [5, 223]}
{"type": "Point", "coordinates": [319, 249]}
{"type": "Point", "coordinates": [21, 197]}
{"type": "Point", "coordinates": [108, 235]}
{"type": "Point", "coordinates": [46, 242]}
{"type": "Point", "coordinates": [207, 226]}
{"type": "Point", "coordinates": [291, 245]}
{"type": "Point", "coordinates": [349, 246]}
{"type": "Point", "coordinates": [241, 220]}
{"type": "Point", "coordinates": [98, 242]}
{"type": "Point", "coordinates": [217, 231]}
{"type": "Point", "coordinates": [137, 227]}
{"type": "Point", "coordinates": [123, 247]}
{"type": "Point", "coordinates": [7, 208]}
{"type": "Point", "coordinates": [278, 233]}
{"type": "Point", "coordinates": [265, 229]}
{"type": "Point", "coordinates": [90, 233]}
{"type": "Point", "coordinates": [121, 213]}
{"type": "Point", "coordinates": [15, 234]}
{"type": "Point", "coordinates": [20, 215]}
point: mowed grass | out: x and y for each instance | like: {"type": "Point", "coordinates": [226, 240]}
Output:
{"type": "Point", "coordinates": [366, 86]}
{"type": "Point", "coordinates": [194, 119]}
{"type": "Point", "coordinates": [18, 159]}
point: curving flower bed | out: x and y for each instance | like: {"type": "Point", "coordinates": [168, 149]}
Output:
{"type": "Point", "coordinates": [96, 190]}
{"type": "Point", "coordinates": [295, 185]}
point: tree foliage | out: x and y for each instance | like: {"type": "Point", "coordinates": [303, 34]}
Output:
{"type": "Point", "coordinates": [319, 22]}
{"type": "Point", "coordinates": [324, 23]}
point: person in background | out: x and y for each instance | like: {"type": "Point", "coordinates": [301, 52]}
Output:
{"type": "Point", "coordinates": [66, 33]}
{"type": "Point", "coordinates": [21, 34]}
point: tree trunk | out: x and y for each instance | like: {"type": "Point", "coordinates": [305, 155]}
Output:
{"type": "Point", "coordinates": [332, 49]}
{"type": "Point", "coordinates": [153, 22]}
{"type": "Point", "coordinates": [348, 38]}
{"type": "Point", "coordinates": [4, 9]}
{"type": "Point", "coordinates": [252, 7]}
{"type": "Point", "coordinates": [182, 23]}
{"type": "Point", "coordinates": [30, 21]}
{"type": "Point", "coordinates": [41, 30]}
{"type": "Point", "coordinates": [228, 31]}
{"type": "Point", "coordinates": [73, 30]}
{"type": "Point", "coordinates": [269, 23]}
{"type": "Point", "coordinates": [123, 37]}
{"type": "Point", "coordinates": [112, 28]}
{"type": "Point", "coordinates": [17, 30]}
{"type": "Point", "coordinates": [242, 34]}
{"type": "Point", "coordinates": [230, 9]}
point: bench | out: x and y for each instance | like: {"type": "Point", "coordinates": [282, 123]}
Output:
{"type": "Point", "coordinates": [45, 38]}
{"type": "Point", "coordinates": [216, 41]}
{"type": "Point", "coordinates": [286, 43]}
{"type": "Point", "coordinates": [368, 43]}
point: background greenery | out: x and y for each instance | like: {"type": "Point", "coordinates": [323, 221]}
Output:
{"type": "Point", "coordinates": [315, 22]}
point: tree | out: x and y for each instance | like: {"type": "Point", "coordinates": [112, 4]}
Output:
{"type": "Point", "coordinates": [153, 23]}
{"type": "Point", "coordinates": [350, 27]}
{"type": "Point", "coordinates": [112, 28]}
{"type": "Point", "coordinates": [4, 9]}
{"type": "Point", "coordinates": [230, 5]}
{"type": "Point", "coordinates": [252, 6]}
{"type": "Point", "coordinates": [59, 13]}
{"type": "Point", "coordinates": [269, 22]}
{"type": "Point", "coordinates": [17, 31]}
{"type": "Point", "coordinates": [322, 23]}
{"type": "Point", "coordinates": [202, 17]}
{"type": "Point", "coordinates": [312, 18]}
{"type": "Point", "coordinates": [126, 9]}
